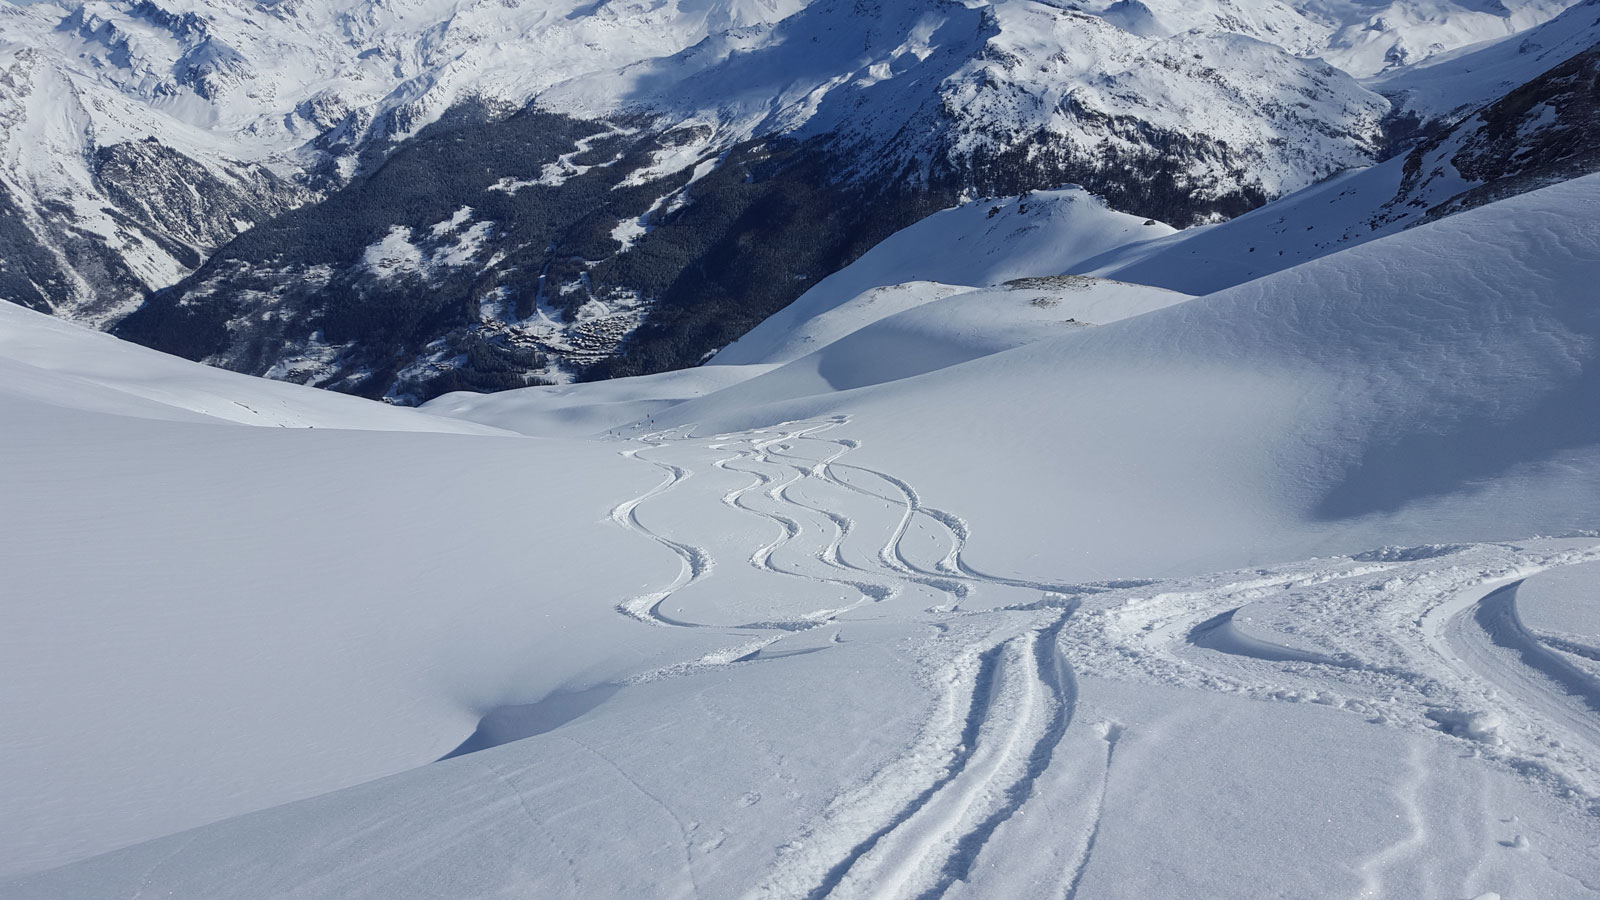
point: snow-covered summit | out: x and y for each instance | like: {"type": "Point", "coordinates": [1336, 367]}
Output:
{"type": "Point", "coordinates": [244, 93]}
{"type": "Point", "coordinates": [940, 85]}
{"type": "Point", "coordinates": [1456, 82]}
{"type": "Point", "coordinates": [253, 102]}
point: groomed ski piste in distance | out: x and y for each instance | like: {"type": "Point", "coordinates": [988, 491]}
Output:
{"type": "Point", "coordinates": [963, 577]}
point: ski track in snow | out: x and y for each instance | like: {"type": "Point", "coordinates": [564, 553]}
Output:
{"type": "Point", "coordinates": [775, 473]}
{"type": "Point", "coordinates": [1431, 648]}
{"type": "Point", "coordinates": [1497, 617]}
{"type": "Point", "coordinates": [1531, 698]}
{"type": "Point", "coordinates": [951, 565]}
{"type": "Point", "coordinates": [917, 825]}
{"type": "Point", "coordinates": [1005, 700]}
{"type": "Point", "coordinates": [1373, 869]}
{"type": "Point", "coordinates": [1111, 734]}
{"type": "Point", "coordinates": [1426, 639]}
{"type": "Point", "coordinates": [1219, 633]}
{"type": "Point", "coordinates": [695, 561]}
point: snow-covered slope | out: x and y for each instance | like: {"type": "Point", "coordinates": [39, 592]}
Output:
{"type": "Point", "coordinates": [49, 361]}
{"type": "Point", "coordinates": [882, 335]}
{"type": "Point", "coordinates": [1153, 739]}
{"type": "Point", "coordinates": [979, 244]}
{"type": "Point", "coordinates": [255, 631]}
{"type": "Point", "coordinates": [232, 81]}
{"type": "Point", "coordinates": [938, 86]}
{"type": "Point", "coordinates": [271, 614]}
{"type": "Point", "coordinates": [937, 333]}
{"type": "Point", "coordinates": [1346, 390]}
{"type": "Point", "coordinates": [262, 80]}
{"type": "Point", "coordinates": [1005, 583]}
{"type": "Point", "coordinates": [895, 317]}
{"type": "Point", "coordinates": [1453, 84]}
{"type": "Point", "coordinates": [586, 410]}
{"type": "Point", "coordinates": [943, 634]}
{"type": "Point", "coordinates": [1545, 131]}
{"type": "Point", "coordinates": [1342, 212]}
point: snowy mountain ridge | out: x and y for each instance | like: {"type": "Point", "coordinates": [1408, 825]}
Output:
{"type": "Point", "coordinates": [1453, 83]}
{"type": "Point", "coordinates": [263, 106]}
{"type": "Point", "coordinates": [731, 176]}
{"type": "Point", "coordinates": [1012, 78]}
{"type": "Point", "coordinates": [296, 88]}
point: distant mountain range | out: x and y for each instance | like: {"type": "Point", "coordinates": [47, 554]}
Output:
{"type": "Point", "coordinates": [402, 199]}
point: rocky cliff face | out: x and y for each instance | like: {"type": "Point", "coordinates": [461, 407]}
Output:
{"type": "Point", "coordinates": [1545, 131]}
{"type": "Point", "coordinates": [98, 222]}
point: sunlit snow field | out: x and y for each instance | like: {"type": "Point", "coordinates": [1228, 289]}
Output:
{"type": "Point", "coordinates": [945, 584]}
